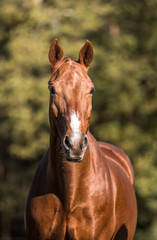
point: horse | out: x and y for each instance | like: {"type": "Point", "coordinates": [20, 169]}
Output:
{"type": "Point", "coordinates": [83, 189]}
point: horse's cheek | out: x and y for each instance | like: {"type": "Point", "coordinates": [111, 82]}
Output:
{"type": "Point", "coordinates": [54, 110]}
{"type": "Point", "coordinates": [88, 112]}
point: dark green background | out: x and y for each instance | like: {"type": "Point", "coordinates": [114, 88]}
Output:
{"type": "Point", "coordinates": [124, 71]}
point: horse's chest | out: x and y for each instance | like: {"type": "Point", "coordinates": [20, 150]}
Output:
{"type": "Point", "coordinates": [86, 224]}
{"type": "Point", "coordinates": [79, 225]}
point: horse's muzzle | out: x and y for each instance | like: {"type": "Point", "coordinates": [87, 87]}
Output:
{"type": "Point", "coordinates": [74, 149]}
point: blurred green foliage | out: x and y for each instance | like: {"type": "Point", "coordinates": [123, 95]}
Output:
{"type": "Point", "coordinates": [124, 37]}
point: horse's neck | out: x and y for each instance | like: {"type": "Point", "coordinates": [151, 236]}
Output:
{"type": "Point", "coordinates": [73, 178]}
{"type": "Point", "coordinates": [68, 176]}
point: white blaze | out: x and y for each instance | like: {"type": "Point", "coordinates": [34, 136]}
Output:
{"type": "Point", "coordinates": [75, 126]}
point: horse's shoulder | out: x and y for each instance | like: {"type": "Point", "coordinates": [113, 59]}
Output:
{"type": "Point", "coordinates": [45, 214]}
{"type": "Point", "coordinates": [118, 157]}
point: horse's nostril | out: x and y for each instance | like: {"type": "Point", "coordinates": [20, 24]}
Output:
{"type": "Point", "coordinates": [67, 143]}
{"type": "Point", "coordinates": [85, 142]}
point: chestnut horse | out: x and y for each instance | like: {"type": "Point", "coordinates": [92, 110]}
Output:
{"type": "Point", "coordinates": [83, 189]}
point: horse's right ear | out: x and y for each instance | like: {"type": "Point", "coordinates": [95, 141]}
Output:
{"type": "Point", "coordinates": [55, 53]}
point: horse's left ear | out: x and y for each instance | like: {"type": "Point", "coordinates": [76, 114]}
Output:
{"type": "Point", "coordinates": [55, 53]}
{"type": "Point", "coordinates": [86, 54]}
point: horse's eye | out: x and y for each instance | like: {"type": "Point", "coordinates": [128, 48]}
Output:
{"type": "Point", "coordinates": [52, 90]}
{"type": "Point", "coordinates": [92, 90]}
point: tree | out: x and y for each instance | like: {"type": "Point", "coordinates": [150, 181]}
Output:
{"type": "Point", "coordinates": [124, 35]}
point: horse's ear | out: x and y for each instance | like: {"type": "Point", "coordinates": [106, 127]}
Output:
{"type": "Point", "coordinates": [55, 52]}
{"type": "Point", "coordinates": [86, 54]}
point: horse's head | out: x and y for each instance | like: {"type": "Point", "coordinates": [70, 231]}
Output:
{"type": "Point", "coordinates": [71, 99]}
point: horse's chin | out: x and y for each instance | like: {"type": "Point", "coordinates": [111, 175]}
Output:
{"type": "Point", "coordinates": [74, 159]}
